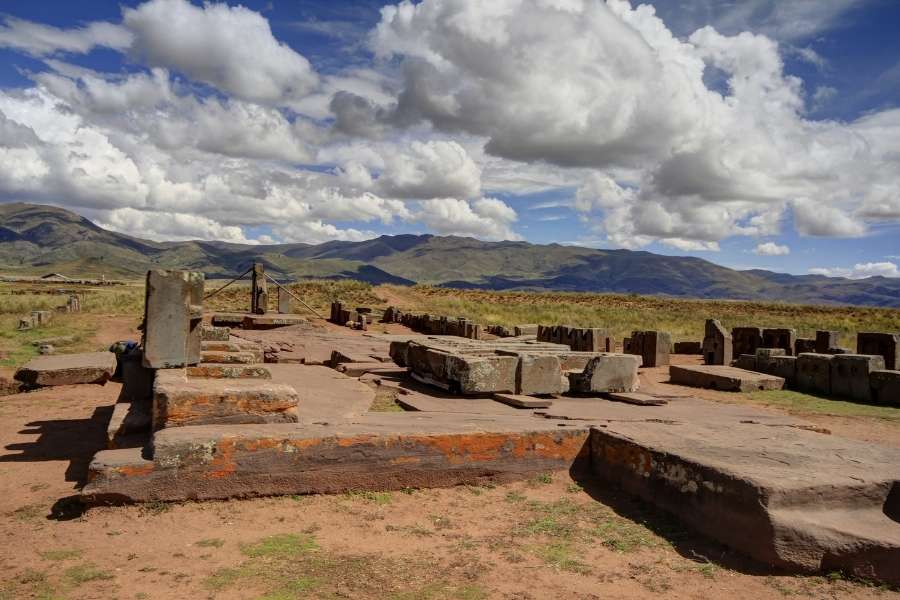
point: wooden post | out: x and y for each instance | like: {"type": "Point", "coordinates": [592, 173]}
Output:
{"type": "Point", "coordinates": [259, 295]}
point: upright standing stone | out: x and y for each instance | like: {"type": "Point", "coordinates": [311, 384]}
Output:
{"type": "Point", "coordinates": [172, 313]}
{"type": "Point", "coordinates": [745, 340]}
{"type": "Point", "coordinates": [285, 302]}
{"type": "Point", "coordinates": [825, 341]}
{"type": "Point", "coordinates": [717, 344]}
{"type": "Point", "coordinates": [259, 295]}
{"type": "Point", "coordinates": [779, 338]}
{"type": "Point", "coordinates": [804, 345]}
{"type": "Point", "coordinates": [882, 344]}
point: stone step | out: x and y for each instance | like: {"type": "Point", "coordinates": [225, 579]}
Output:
{"type": "Point", "coordinates": [228, 371]}
{"type": "Point", "coordinates": [220, 346]}
{"type": "Point", "coordinates": [179, 400]}
{"type": "Point", "coordinates": [242, 357]}
{"type": "Point", "coordinates": [638, 398]}
{"type": "Point", "coordinates": [380, 451]}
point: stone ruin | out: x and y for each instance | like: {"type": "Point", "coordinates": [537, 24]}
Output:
{"type": "Point", "coordinates": [717, 344]}
{"type": "Point", "coordinates": [576, 338]}
{"type": "Point", "coordinates": [434, 325]}
{"type": "Point", "coordinates": [653, 347]}
{"type": "Point", "coordinates": [815, 366]}
{"type": "Point", "coordinates": [218, 424]}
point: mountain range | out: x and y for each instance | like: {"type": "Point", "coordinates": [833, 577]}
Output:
{"type": "Point", "coordinates": [36, 239]}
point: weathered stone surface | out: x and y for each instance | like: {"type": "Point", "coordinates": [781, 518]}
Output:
{"type": "Point", "coordinates": [285, 302]}
{"type": "Point", "coordinates": [802, 345]}
{"type": "Point", "coordinates": [520, 401]}
{"type": "Point", "coordinates": [172, 313]}
{"type": "Point", "coordinates": [228, 320]}
{"type": "Point", "coordinates": [246, 358]}
{"type": "Point", "coordinates": [688, 348]}
{"type": "Point", "coordinates": [68, 369]}
{"type": "Point", "coordinates": [226, 371]}
{"type": "Point", "coordinates": [745, 340]}
{"type": "Point", "coordinates": [723, 378]}
{"type": "Point", "coordinates": [885, 387]}
{"type": "Point", "coordinates": [717, 344]}
{"type": "Point", "coordinates": [652, 346]}
{"type": "Point", "coordinates": [270, 321]}
{"type": "Point", "coordinates": [359, 369]}
{"type": "Point", "coordinates": [538, 374]}
{"type": "Point", "coordinates": [607, 373]}
{"type": "Point", "coordinates": [179, 401]}
{"type": "Point", "coordinates": [483, 374]}
{"type": "Point", "coordinates": [784, 367]}
{"type": "Point", "coordinates": [638, 398]}
{"type": "Point", "coordinates": [746, 361]}
{"type": "Point", "coordinates": [814, 373]}
{"type": "Point", "coordinates": [785, 496]}
{"type": "Point", "coordinates": [378, 452]}
{"type": "Point", "coordinates": [850, 375]}
{"type": "Point", "coordinates": [214, 334]}
{"type": "Point", "coordinates": [824, 341]}
{"type": "Point", "coordinates": [219, 346]}
{"type": "Point", "coordinates": [529, 329]}
{"type": "Point", "coordinates": [765, 358]}
{"type": "Point", "coordinates": [882, 344]}
{"type": "Point", "coordinates": [782, 338]}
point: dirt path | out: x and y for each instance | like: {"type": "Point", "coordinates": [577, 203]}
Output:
{"type": "Point", "coordinates": [546, 538]}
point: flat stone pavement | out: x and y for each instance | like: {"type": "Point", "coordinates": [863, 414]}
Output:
{"type": "Point", "coordinates": [325, 394]}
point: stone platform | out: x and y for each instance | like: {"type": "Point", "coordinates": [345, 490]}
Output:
{"type": "Point", "coordinates": [376, 451]}
{"type": "Point", "coordinates": [786, 496]}
{"type": "Point", "coordinates": [68, 369]}
{"type": "Point", "coordinates": [723, 378]}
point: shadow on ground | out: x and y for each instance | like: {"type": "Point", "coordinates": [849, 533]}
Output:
{"type": "Point", "coordinates": [75, 440]}
{"type": "Point", "coordinates": [687, 543]}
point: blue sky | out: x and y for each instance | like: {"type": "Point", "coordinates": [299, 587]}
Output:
{"type": "Point", "coordinates": [759, 134]}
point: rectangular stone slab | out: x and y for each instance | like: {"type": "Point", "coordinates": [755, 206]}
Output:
{"type": "Point", "coordinates": [180, 401]}
{"type": "Point", "coordinates": [68, 369]}
{"type": "Point", "coordinates": [379, 452]}
{"type": "Point", "coordinates": [638, 398]}
{"type": "Point", "coordinates": [784, 496]}
{"type": "Point", "coordinates": [723, 378]}
{"type": "Point", "coordinates": [226, 371]}
{"type": "Point", "coordinates": [520, 401]}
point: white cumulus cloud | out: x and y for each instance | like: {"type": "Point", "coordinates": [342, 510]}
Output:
{"type": "Point", "coordinates": [860, 270]}
{"type": "Point", "coordinates": [771, 249]}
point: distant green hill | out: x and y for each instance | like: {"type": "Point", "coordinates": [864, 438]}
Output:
{"type": "Point", "coordinates": [37, 239]}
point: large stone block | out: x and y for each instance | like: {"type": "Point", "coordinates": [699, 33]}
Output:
{"type": "Point", "coordinates": [68, 369]}
{"type": "Point", "coordinates": [803, 345]}
{"type": "Point", "coordinates": [779, 338]}
{"type": "Point", "coordinates": [482, 374]}
{"type": "Point", "coordinates": [723, 378]}
{"type": "Point", "coordinates": [607, 372]}
{"type": "Point", "coordinates": [746, 361]}
{"type": "Point", "coordinates": [882, 344]}
{"type": "Point", "coordinates": [745, 340]}
{"type": "Point", "coordinates": [688, 348]}
{"type": "Point", "coordinates": [885, 387]}
{"type": "Point", "coordinates": [211, 333]}
{"type": "Point", "coordinates": [172, 313]}
{"type": "Point", "coordinates": [850, 375]}
{"type": "Point", "coordinates": [717, 344]}
{"type": "Point", "coordinates": [538, 374]}
{"type": "Point", "coordinates": [814, 373]}
{"type": "Point", "coordinates": [784, 367]}
{"type": "Point", "coordinates": [652, 346]}
{"type": "Point", "coordinates": [765, 358]}
{"type": "Point", "coordinates": [179, 401]}
{"type": "Point", "coordinates": [825, 340]}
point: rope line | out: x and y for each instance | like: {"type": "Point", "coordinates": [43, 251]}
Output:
{"type": "Point", "coordinates": [241, 276]}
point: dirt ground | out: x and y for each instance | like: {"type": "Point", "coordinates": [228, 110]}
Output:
{"type": "Point", "coordinates": [552, 536]}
